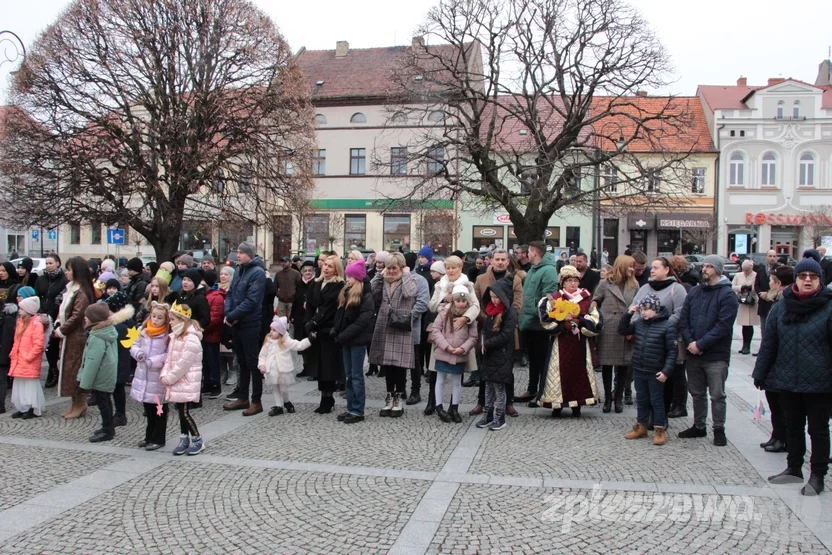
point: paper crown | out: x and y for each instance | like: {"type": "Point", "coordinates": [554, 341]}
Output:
{"type": "Point", "coordinates": [181, 310]}
{"type": "Point", "coordinates": [101, 286]}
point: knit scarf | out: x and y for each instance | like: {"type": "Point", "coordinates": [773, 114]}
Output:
{"type": "Point", "coordinates": [799, 305]}
{"type": "Point", "coordinates": [494, 309]}
{"type": "Point", "coordinates": [155, 331]}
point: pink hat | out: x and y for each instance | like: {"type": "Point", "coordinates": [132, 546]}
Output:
{"type": "Point", "coordinates": [357, 270]}
{"type": "Point", "coordinates": [280, 324]}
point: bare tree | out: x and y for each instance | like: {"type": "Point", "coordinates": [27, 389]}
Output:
{"type": "Point", "coordinates": [818, 224]}
{"type": "Point", "coordinates": [527, 104]}
{"type": "Point", "coordinates": [438, 228]}
{"type": "Point", "coordinates": [336, 227]}
{"type": "Point", "coordinates": [148, 112]}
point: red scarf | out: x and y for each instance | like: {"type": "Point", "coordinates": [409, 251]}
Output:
{"type": "Point", "coordinates": [493, 310]}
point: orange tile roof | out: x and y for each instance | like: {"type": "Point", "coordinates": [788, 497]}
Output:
{"type": "Point", "coordinates": [674, 124]}
{"type": "Point", "coordinates": [730, 97]}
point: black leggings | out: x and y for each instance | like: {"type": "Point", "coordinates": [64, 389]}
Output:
{"type": "Point", "coordinates": [186, 423]}
{"type": "Point", "coordinates": [396, 377]}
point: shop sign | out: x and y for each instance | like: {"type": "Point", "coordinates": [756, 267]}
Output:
{"type": "Point", "coordinates": [641, 221]}
{"type": "Point", "coordinates": [488, 232]}
{"type": "Point", "coordinates": [779, 218]}
{"type": "Point", "coordinates": [683, 221]}
{"type": "Point", "coordinates": [502, 218]}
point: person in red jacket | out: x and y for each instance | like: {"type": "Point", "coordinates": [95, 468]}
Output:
{"type": "Point", "coordinates": [26, 355]}
{"type": "Point", "coordinates": [213, 336]}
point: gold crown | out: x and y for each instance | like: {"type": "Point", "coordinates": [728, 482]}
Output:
{"type": "Point", "coordinates": [182, 310]}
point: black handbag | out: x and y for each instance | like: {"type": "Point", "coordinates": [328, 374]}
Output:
{"type": "Point", "coordinates": [399, 322]}
{"type": "Point", "coordinates": [746, 297]}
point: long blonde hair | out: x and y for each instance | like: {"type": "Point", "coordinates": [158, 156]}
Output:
{"type": "Point", "coordinates": [619, 274]}
{"type": "Point", "coordinates": [339, 269]}
{"type": "Point", "coordinates": [356, 293]}
{"type": "Point", "coordinates": [164, 289]}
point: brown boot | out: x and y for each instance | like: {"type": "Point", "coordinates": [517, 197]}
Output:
{"type": "Point", "coordinates": [255, 408]}
{"type": "Point", "coordinates": [511, 411]}
{"type": "Point", "coordinates": [659, 435]}
{"type": "Point", "coordinates": [237, 405]}
{"type": "Point", "coordinates": [476, 410]}
{"type": "Point", "coordinates": [79, 406]}
{"type": "Point", "coordinates": [637, 432]}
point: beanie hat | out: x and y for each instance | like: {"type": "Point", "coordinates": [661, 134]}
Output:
{"type": "Point", "coordinates": [208, 258]}
{"type": "Point", "coordinates": [106, 276]}
{"type": "Point", "coordinates": [187, 260]}
{"type": "Point", "coordinates": [280, 325]}
{"type": "Point", "coordinates": [382, 257]}
{"type": "Point", "coordinates": [716, 261]}
{"type": "Point", "coordinates": [165, 272]}
{"type": "Point", "coordinates": [93, 266]}
{"type": "Point", "coordinates": [307, 264]}
{"type": "Point", "coordinates": [460, 292]}
{"type": "Point", "coordinates": [26, 292]}
{"type": "Point", "coordinates": [113, 283]}
{"type": "Point", "coordinates": [356, 270]}
{"type": "Point", "coordinates": [785, 274]}
{"type": "Point", "coordinates": [210, 278]}
{"type": "Point", "coordinates": [427, 252]}
{"type": "Point", "coordinates": [809, 263]}
{"type": "Point", "coordinates": [116, 301]}
{"type": "Point", "coordinates": [108, 265]}
{"type": "Point", "coordinates": [194, 275]}
{"type": "Point", "coordinates": [27, 264]}
{"type": "Point", "coordinates": [568, 271]}
{"type": "Point", "coordinates": [438, 267]}
{"type": "Point", "coordinates": [459, 253]}
{"type": "Point", "coordinates": [246, 248]}
{"type": "Point", "coordinates": [97, 312]}
{"type": "Point", "coordinates": [651, 302]}
{"type": "Point", "coordinates": [135, 264]}
{"type": "Point", "coordinates": [30, 305]}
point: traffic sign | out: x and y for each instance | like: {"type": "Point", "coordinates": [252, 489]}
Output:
{"type": "Point", "coordinates": [52, 235]}
{"type": "Point", "coordinates": [115, 236]}
{"type": "Point", "coordinates": [35, 234]}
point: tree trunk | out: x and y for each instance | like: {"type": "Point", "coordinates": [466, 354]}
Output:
{"type": "Point", "coordinates": [165, 244]}
{"type": "Point", "coordinates": [530, 229]}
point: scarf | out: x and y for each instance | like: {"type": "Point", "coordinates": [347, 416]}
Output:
{"type": "Point", "coordinates": [155, 331]}
{"type": "Point", "coordinates": [72, 289]}
{"type": "Point", "coordinates": [799, 305]}
{"type": "Point", "coordinates": [53, 275]}
{"type": "Point", "coordinates": [493, 310]}
{"type": "Point", "coordinates": [664, 284]}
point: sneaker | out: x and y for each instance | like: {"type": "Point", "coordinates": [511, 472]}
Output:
{"type": "Point", "coordinates": [214, 393]}
{"type": "Point", "coordinates": [196, 446]}
{"type": "Point", "coordinates": [153, 446]}
{"type": "Point", "coordinates": [719, 437]}
{"type": "Point", "coordinates": [498, 425]}
{"type": "Point", "coordinates": [485, 421]}
{"type": "Point", "coordinates": [119, 419]}
{"type": "Point", "coordinates": [342, 416]}
{"type": "Point", "coordinates": [233, 396]}
{"type": "Point", "coordinates": [184, 445]}
{"type": "Point", "coordinates": [692, 432]}
{"type": "Point", "coordinates": [353, 418]}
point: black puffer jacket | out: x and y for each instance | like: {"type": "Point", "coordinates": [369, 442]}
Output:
{"type": "Point", "coordinates": [797, 356]}
{"type": "Point", "coordinates": [498, 360]}
{"type": "Point", "coordinates": [200, 310]}
{"type": "Point", "coordinates": [50, 289]}
{"type": "Point", "coordinates": [655, 349]}
{"type": "Point", "coordinates": [136, 289]}
{"type": "Point", "coordinates": [354, 326]}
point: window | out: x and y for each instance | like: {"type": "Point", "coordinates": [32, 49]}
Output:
{"type": "Point", "coordinates": [807, 170]}
{"type": "Point", "coordinates": [398, 160]}
{"type": "Point", "coordinates": [796, 109]}
{"type": "Point", "coordinates": [288, 167]}
{"type": "Point", "coordinates": [436, 160]}
{"type": "Point", "coordinates": [95, 232]}
{"type": "Point", "coordinates": [781, 110]}
{"type": "Point", "coordinates": [396, 233]}
{"type": "Point", "coordinates": [436, 116]}
{"type": "Point", "coordinates": [573, 182]}
{"type": "Point", "coordinates": [733, 133]}
{"type": "Point", "coordinates": [736, 169]}
{"type": "Point", "coordinates": [316, 232]}
{"type": "Point", "coordinates": [654, 181]}
{"type": "Point", "coordinates": [358, 117]}
{"type": "Point", "coordinates": [358, 161]}
{"type": "Point", "coordinates": [698, 186]}
{"type": "Point", "coordinates": [218, 184]}
{"type": "Point", "coordinates": [319, 162]}
{"type": "Point", "coordinates": [573, 237]}
{"type": "Point", "coordinates": [400, 117]}
{"type": "Point", "coordinates": [196, 235]}
{"type": "Point", "coordinates": [320, 119]}
{"type": "Point", "coordinates": [769, 169]}
{"type": "Point", "coordinates": [355, 231]}
{"type": "Point", "coordinates": [75, 234]}
{"type": "Point", "coordinates": [742, 133]}
{"type": "Point", "coordinates": [610, 178]}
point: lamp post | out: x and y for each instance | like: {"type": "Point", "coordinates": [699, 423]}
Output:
{"type": "Point", "coordinates": [11, 43]}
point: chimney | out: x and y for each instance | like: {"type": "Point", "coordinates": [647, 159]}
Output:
{"type": "Point", "coordinates": [775, 80]}
{"type": "Point", "coordinates": [641, 94]}
{"type": "Point", "coordinates": [742, 81]}
{"type": "Point", "coordinates": [418, 42]}
{"type": "Point", "coordinates": [342, 48]}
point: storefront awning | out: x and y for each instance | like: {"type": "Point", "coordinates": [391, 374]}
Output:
{"type": "Point", "coordinates": [681, 220]}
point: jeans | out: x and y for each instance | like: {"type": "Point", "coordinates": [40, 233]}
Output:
{"type": "Point", "coordinates": [354, 372]}
{"type": "Point", "coordinates": [247, 349]}
{"type": "Point", "coordinates": [211, 364]}
{"type": "Point", "coordinates": [707, 377]}
{"type": "Point", "coordinates": [537, 342]}
{"type": "Point", "coordinates": [814, 408]}
{"type": "Point", "coordinates": [157, 425]}
{"type": "Point", "coordinates": [649, 394]}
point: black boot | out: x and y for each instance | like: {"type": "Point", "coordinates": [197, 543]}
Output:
{"type": "Point", "coordinates": [372, 370]}
{"type": "Point", "coordinates": [619, 405]}
{"type": "Point", "coordinates": [443, 416]}
{"type": "Point", "coordinates": [382, 373]}
{"type": "Point", "coordinates": [453, 412]}
{"type": "Point", "coordinates": [628, 397]}
{"type": "Point", "coordinates": [620, 386]}
{"type": "Point", "coordinates": [776, 447]}
{"type": "Point", "coordinates": [769, 442]}
{"type": "Point", "coordinates": [788, 476]}
{"type": "Point", "coordinates": [747, 336]}
{"type": "Point", "coordinates": [414, 398]}
{"type": "Point", "coordinates": [473, 380]}
{"type": "Point", "coordinates": [606, 375]}
{"type": "Point", "coordinates": [607, 403]}
{"type": "Point", "coordinates": [51, 378]}
{"type": "Point", "coordinates": [814, 486]}
{"type": "Point", "coordinates": [431, 405]}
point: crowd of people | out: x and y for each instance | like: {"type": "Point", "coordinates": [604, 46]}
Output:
{"type": "Point", "coordinates": [170, 331]}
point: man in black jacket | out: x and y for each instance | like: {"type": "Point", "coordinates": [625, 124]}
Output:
{"type": "Point", "coordinates": [826, 266]}
{"type": "Point", "coordinates": [589, 278]}
{"type": "Point", "coordinates": [761, 285]}
{"type": "Point", "coordinates": [50, 288]}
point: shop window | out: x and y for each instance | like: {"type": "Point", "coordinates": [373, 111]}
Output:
{"type": "Point", "coordinates": [484, 236]}
{"type": "Point", "coordinates": [355, 231]}
{"type": "Point", "coordinates": [638, 240]}
{"type": "Point", "coordinates": [668, 242]}
{"type": "Point", "coordinates": [573, 237]}
{"type": "Point", "coordinates": [737, 169]}
{"type": "Point", "coordinates": [316, 232]}
{"type": "Point", "coordinates": [196, 236]}
{"type": "Point", "coordinates": [552, 237]}
{"type": "Point", "coordinates": [15, 243]}
{"type": "Point", "coordinates": [396, 233]}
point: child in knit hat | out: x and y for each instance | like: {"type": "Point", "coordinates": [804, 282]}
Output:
{"type": "Point", "coordinates": [276, 364]}
{"type": "Point", "coordinates": [100, 368]}
{"type": "Point", "coordinates": [25, 357]}
{"type": "Point", "coordinates": [654, 359]}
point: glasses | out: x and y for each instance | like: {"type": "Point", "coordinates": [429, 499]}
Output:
{"type": "Point", "coordinates": [806, 276]}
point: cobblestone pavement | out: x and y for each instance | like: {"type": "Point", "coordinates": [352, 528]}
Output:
{"type": "Point", "coordinates": [305, 483]}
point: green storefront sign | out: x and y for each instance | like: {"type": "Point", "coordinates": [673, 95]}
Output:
{"type": "Point", "coordinates": [380, 204]}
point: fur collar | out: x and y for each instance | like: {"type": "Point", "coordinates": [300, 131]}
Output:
{"type": "Point", "coordinates": [115, 319]}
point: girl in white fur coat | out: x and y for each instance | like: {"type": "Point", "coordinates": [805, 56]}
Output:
{"type": "Point", "coordinates": [275, 362]}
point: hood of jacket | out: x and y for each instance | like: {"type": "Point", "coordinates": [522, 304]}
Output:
{"type": "Point", "coordinates": [115, 319]}
{"type": "Point", "coordinates": [547, 260]}
{"type": "Point", "coordinates": [504, 289]}
{"type": "Point", "coordinates": [106, 331]}
{"type": "Point", "coordinates": [723, 282]}
{"type": "Point", "coordinates": [256, 261]}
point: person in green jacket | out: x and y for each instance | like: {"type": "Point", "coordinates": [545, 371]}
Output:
{"type": "Point", "coordinates": [100, 364]}
{"type": "Point", "coordinates": [541, 280]}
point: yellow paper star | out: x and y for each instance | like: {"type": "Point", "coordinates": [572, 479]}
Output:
{"type": "Point", "coordinates": [132, 335]}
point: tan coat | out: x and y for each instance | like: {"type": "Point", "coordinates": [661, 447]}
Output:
{"type": "Point", "coordinates": [746, 315]}
{"type": "Point", "coordinates": [70, 328]}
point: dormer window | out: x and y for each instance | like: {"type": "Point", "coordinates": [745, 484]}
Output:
{"type": "Point", "coordinates": [781, 107]}
{"type": "Point", "coordinates": [796, 110]}
{"type": "Point", "coordinates": [436, 116]}
{"type": "Point", "coordinates": [320, 119]}
{"type": "Point", "coordinates": [400, 117]}
{"type": "Point", "coordinates": [358, 117]}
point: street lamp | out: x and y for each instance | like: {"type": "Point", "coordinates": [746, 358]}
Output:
{"type": "Point", "coordinates": [15, 44]}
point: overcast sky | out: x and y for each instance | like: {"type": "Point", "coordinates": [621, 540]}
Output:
{"type": "Point", "coordinates": [711, 41]}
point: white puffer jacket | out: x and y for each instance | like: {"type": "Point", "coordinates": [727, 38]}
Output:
{"type": "Point", "coordinates": [182, 372]}
{"type": "Point", "coordinates": [445, 287]}
{"type": "Point", "coordinates": [274, 360]}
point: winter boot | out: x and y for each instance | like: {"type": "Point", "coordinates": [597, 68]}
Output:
{"type": "Point", "coordinates": [454, 414]}
{"type": "Point", "coordinates": [637, 432]}
{"type": "Point", "coordinates": [814, 486]}
{"type": "Point", "coordinates": [398, 405]}
{"type": "Point", "coordinates": [486, 420]}
{"type": "Point", "coordinates": [431, 405]}
{"type": "Point", "coordinates": [51, 377]}
{"type": "Point", "coordinates": [660, 435]}
{"type": "Point", "coordinates": [197, 446]}
{"type": "Point", "coordinates": [388, 406]}
{"type": "Point", "coordinates": [184, 445]}
{"type": "Point", "coordinates": [443, 416]}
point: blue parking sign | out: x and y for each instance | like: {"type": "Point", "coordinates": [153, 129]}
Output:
{"type": "Point", "coordinates": [35, 234]}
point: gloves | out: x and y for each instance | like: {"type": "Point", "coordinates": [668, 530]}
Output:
{"type": "Point", "coordinates": [758, 384]}
{"type": "Point", "coordinates": [310, 325]}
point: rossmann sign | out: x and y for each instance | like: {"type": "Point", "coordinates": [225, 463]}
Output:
{"type": "Point", "coordinates": [787, 219]}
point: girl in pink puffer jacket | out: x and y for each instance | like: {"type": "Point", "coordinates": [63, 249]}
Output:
{"type": "Point", "coordinates": [182, 375]}
{"type": "Point", "coordinates": [150, 351]}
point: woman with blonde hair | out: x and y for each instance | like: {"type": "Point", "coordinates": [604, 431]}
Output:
{"type": "Point", "coordinates": [613, 297]}
{"type": "Point", "coordinates": [226, 275]}
{"type": "Point", "coordinates": [324, 356]}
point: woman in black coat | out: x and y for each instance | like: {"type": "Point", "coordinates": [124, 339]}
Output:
{"type": "Point", "coordinates": [50, 288]}
{"type": "Point", "coordinates": [8, 277]}
{"type": "Point", "coordinates": [194, 295]}
{"type": "Point", "coordinates": [324, 358]}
